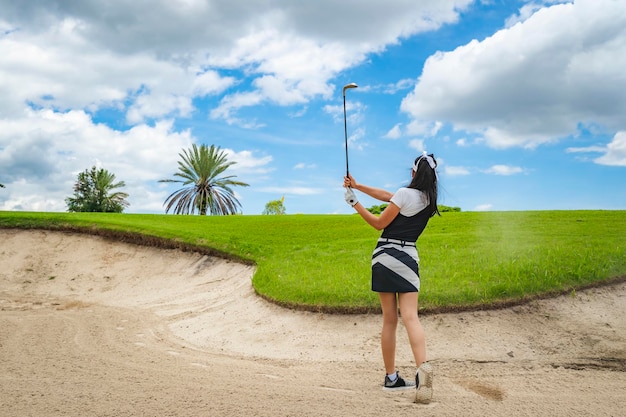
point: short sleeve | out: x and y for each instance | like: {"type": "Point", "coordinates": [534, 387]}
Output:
{"type": "Point", "coordinates": [410, 201]}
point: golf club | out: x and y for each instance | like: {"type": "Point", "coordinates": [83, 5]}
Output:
{"type": "Point", "coordinates": [345, 123]}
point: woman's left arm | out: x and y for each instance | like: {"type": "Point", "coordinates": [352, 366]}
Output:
{"type": "Point", "coordinates": [378, 222]}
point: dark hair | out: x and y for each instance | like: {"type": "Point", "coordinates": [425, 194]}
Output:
{"type": "Point", "coordinates": [425, 180]}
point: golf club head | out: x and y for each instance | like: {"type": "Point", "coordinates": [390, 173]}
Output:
{"type": "Point", "coordinates": [345, 87]}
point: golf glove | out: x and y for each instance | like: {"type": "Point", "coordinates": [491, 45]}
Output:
{"type": "Point", "coordinates": [350, 197]}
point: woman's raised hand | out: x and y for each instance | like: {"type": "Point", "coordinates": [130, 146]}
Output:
{"type": "Point", "coordinates": [349, 181]}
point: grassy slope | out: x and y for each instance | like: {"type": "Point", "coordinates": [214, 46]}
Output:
{"type": "Point", "coordinates": [322, 262]}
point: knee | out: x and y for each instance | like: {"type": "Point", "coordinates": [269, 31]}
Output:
{"type": "Point", "coordinates": [390, 320]}
{"type": "Point", "coordinates": [410, 317]}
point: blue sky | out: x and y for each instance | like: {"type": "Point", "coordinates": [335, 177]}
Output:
{"type": "Point", "coordinates": [521, 102]}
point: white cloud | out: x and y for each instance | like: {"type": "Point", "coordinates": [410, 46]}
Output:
{"type": "Point", "coordinates": [528, 9]}
{"type": "Point", "coordinates": [94, 53]}
{"type": "Point", "coordinates": [247, 163]}
{"type": "Point", "coordinates": [420, 128]}
{"type": "Point", "coordinates": [395, 132]}
{"type": "Point", "coordinates": [435, 128]}
{"type": "Point", "coordinates": [403, 84]}
{"type": "Point", "coordinates": [302, 165]}
{"type": "Point", "coordinates": [60, 69]}
{"type": "Point", "coordinates": [586, 149]}
{"type": "Point", "coordinates": [354, 115]}
{"type": "Point", "coordinates": [291, 190]}
{"type": "Point", "coordinates": [456, 171]}
{"type": "Point", "coordinates": [483, 207]}
{"type": "Point", "coordinates": [298, 113]}
{"type": "Point", "coordinates": [231, 103]}
{"type": "Point", "coordinates": [417, 144]}
{"type": "Point", "coordinates": [534, 82]}
{"type": "Point", "coordinates": [354, 112]}
{"type": "Point", "coordinates": [354, 139]}
{"type": "Point", "coordinates": [504, 170]}
{"type": "Point", "coordinates": [615, 151]}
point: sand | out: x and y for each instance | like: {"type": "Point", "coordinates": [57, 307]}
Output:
{"type": "Point", "coordinates": [92, 327]}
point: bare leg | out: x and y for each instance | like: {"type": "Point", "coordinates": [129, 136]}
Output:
{"type": "Point", "coordinates": [389, 306]}
{"type": "Point", "coordinates": [414, 329]}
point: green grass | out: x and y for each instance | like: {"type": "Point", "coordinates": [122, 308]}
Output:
{"type": "Point", "coordinates": [322, 262]}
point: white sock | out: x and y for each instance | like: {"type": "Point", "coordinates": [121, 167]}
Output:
{"type": "Point", "coordinates": [393, 377]}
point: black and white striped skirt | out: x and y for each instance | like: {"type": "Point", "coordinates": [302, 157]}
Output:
{"type": "Point", "coordinates": [395, 266]}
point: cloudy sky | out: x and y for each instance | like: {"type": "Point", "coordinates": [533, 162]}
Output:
{"type": "Point", "coordinates": [522, 102]}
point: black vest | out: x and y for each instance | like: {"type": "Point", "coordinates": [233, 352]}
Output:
{"type": "Point", "coordinates": [407, 228]}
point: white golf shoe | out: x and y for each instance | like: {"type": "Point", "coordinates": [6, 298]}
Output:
{"type": "Point", "coordinates": [424, 383]}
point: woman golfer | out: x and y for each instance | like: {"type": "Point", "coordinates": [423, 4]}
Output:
{"type": "Point", "coordinates": [395, 266]}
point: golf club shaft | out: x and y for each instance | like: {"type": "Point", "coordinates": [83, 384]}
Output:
{"type": "Point", "coordinates": [345, 122]}
{"type": "Point", "coordinates": [345, 129]}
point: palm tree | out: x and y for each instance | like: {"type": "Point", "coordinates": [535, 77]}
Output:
{"type": "Point", "coordinates": [95, 191]}
{"type": "Point", "coordinates": [203, 189]}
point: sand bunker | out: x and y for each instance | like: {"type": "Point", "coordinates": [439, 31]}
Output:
{"type": "Point", "coordinates": [95, 327]}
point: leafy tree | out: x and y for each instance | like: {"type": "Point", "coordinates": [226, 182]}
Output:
{"type": "Point", "coordinates": [275, 207]}
{"type": "Point", "coordinates": [377, 209]}
{"type": "Point", "coordinates": [94, 192]}
{"type": "Point", "coordinates": [203, 188]}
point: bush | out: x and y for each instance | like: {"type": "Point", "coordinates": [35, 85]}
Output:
{"type": "Point", "coordinates": [442, 209]}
